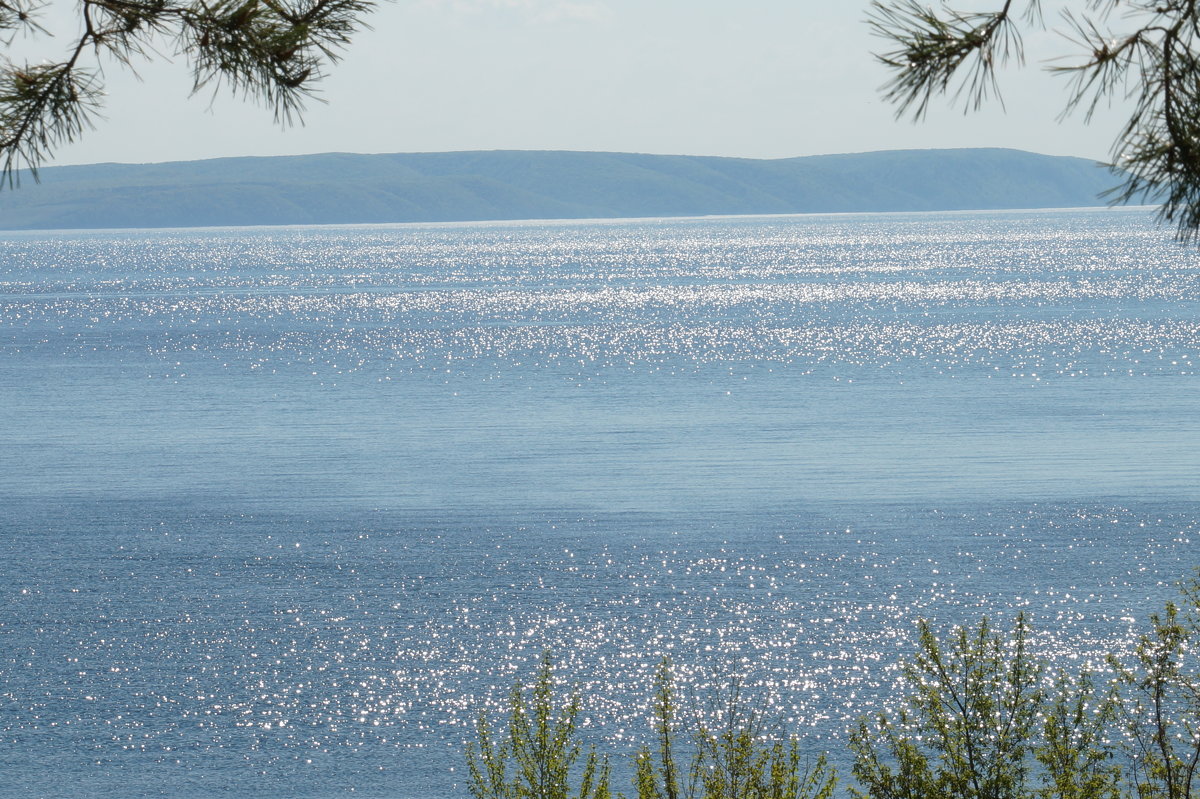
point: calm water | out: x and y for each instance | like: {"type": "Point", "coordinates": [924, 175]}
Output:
{"type": "Point", "coordinates": [283, 508]}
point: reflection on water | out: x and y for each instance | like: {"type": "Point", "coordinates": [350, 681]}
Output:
{"type": "Point", "coordinates": [326, 653]}
{"type": "Point", "coordinates": [284, 508]}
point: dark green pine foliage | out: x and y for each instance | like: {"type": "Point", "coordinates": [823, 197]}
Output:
{"type": "Point", "coordinates": [1144, 54]}
{"type": "Point", "coordinates": [271, 50]}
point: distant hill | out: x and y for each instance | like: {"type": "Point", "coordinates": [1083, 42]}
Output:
{"type": "Point", "coordinates": [442, 187]}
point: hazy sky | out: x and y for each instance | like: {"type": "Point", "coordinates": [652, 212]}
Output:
{"type": "Point", "coordinates": [756, 78]}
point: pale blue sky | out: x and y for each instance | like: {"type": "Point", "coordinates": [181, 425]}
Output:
{"type": "Point", "coordinates": [756, 78]}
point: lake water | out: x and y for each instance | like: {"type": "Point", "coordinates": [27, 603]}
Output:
{"type": "Point", "coordinates": [283, 508]}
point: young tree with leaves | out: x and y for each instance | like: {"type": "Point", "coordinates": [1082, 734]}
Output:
{"type": "Point", "coordinates": [1160, 703]}
{"type": "Point", "coordinates": [1077, 746]}
{"type": "Point", "coordinates": [966, 725]}
{"type": "Point", "coordinates": [534, 755]}
{"type": "Point", "coordinates": [732, 751]}
{"type": "Point", "coordinates": [272, 50]}
{"type": "Point", "coordinates": [1144, 50]}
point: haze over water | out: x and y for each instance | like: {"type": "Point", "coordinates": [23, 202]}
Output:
{"type": "Point", "coordinates": [284, 507]}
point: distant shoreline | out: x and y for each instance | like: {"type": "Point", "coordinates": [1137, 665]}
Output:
{"type": "Point", "coordinates": [497, 186]}
{"type": "Point", "coordinates": [483, 223]}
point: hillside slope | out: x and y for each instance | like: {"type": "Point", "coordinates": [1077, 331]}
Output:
{"type": "Point", "coordinates": [462, 186]}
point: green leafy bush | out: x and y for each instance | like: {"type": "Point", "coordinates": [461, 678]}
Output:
{"type": "Point", "coordinates": [977, 718]}
{"type": "Point", "coordinates": [533, 756]}
{"type": "Point", "coordinates": [966, 725]}
{"type": "Point", "coordinates": [735, 752]}
{"type": "Point", "coordinates": [1159, 691]}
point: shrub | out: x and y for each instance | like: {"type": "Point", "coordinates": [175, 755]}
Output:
{"type": "Point", "coordinates": [734, 752]}
{"type": "Point", "coordinates": [540, 744]}
{"type": "Point", "coordinates": [977, 720]}
{"type": "Point", "coordinates": [1076, 751]}
{"type": "Point", "coordinates": [964, 728]}
{"type": "Point", "coordinates": [1160, 703]}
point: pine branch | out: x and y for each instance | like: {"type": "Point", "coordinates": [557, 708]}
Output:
{"type": "Point", "coordinates": [1156, 63]}
{"type": "Point", "coordinates": [274, 51]}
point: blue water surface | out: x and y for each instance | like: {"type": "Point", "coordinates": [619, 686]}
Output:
{"type": "Point", "coordinates": [284, 508]}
